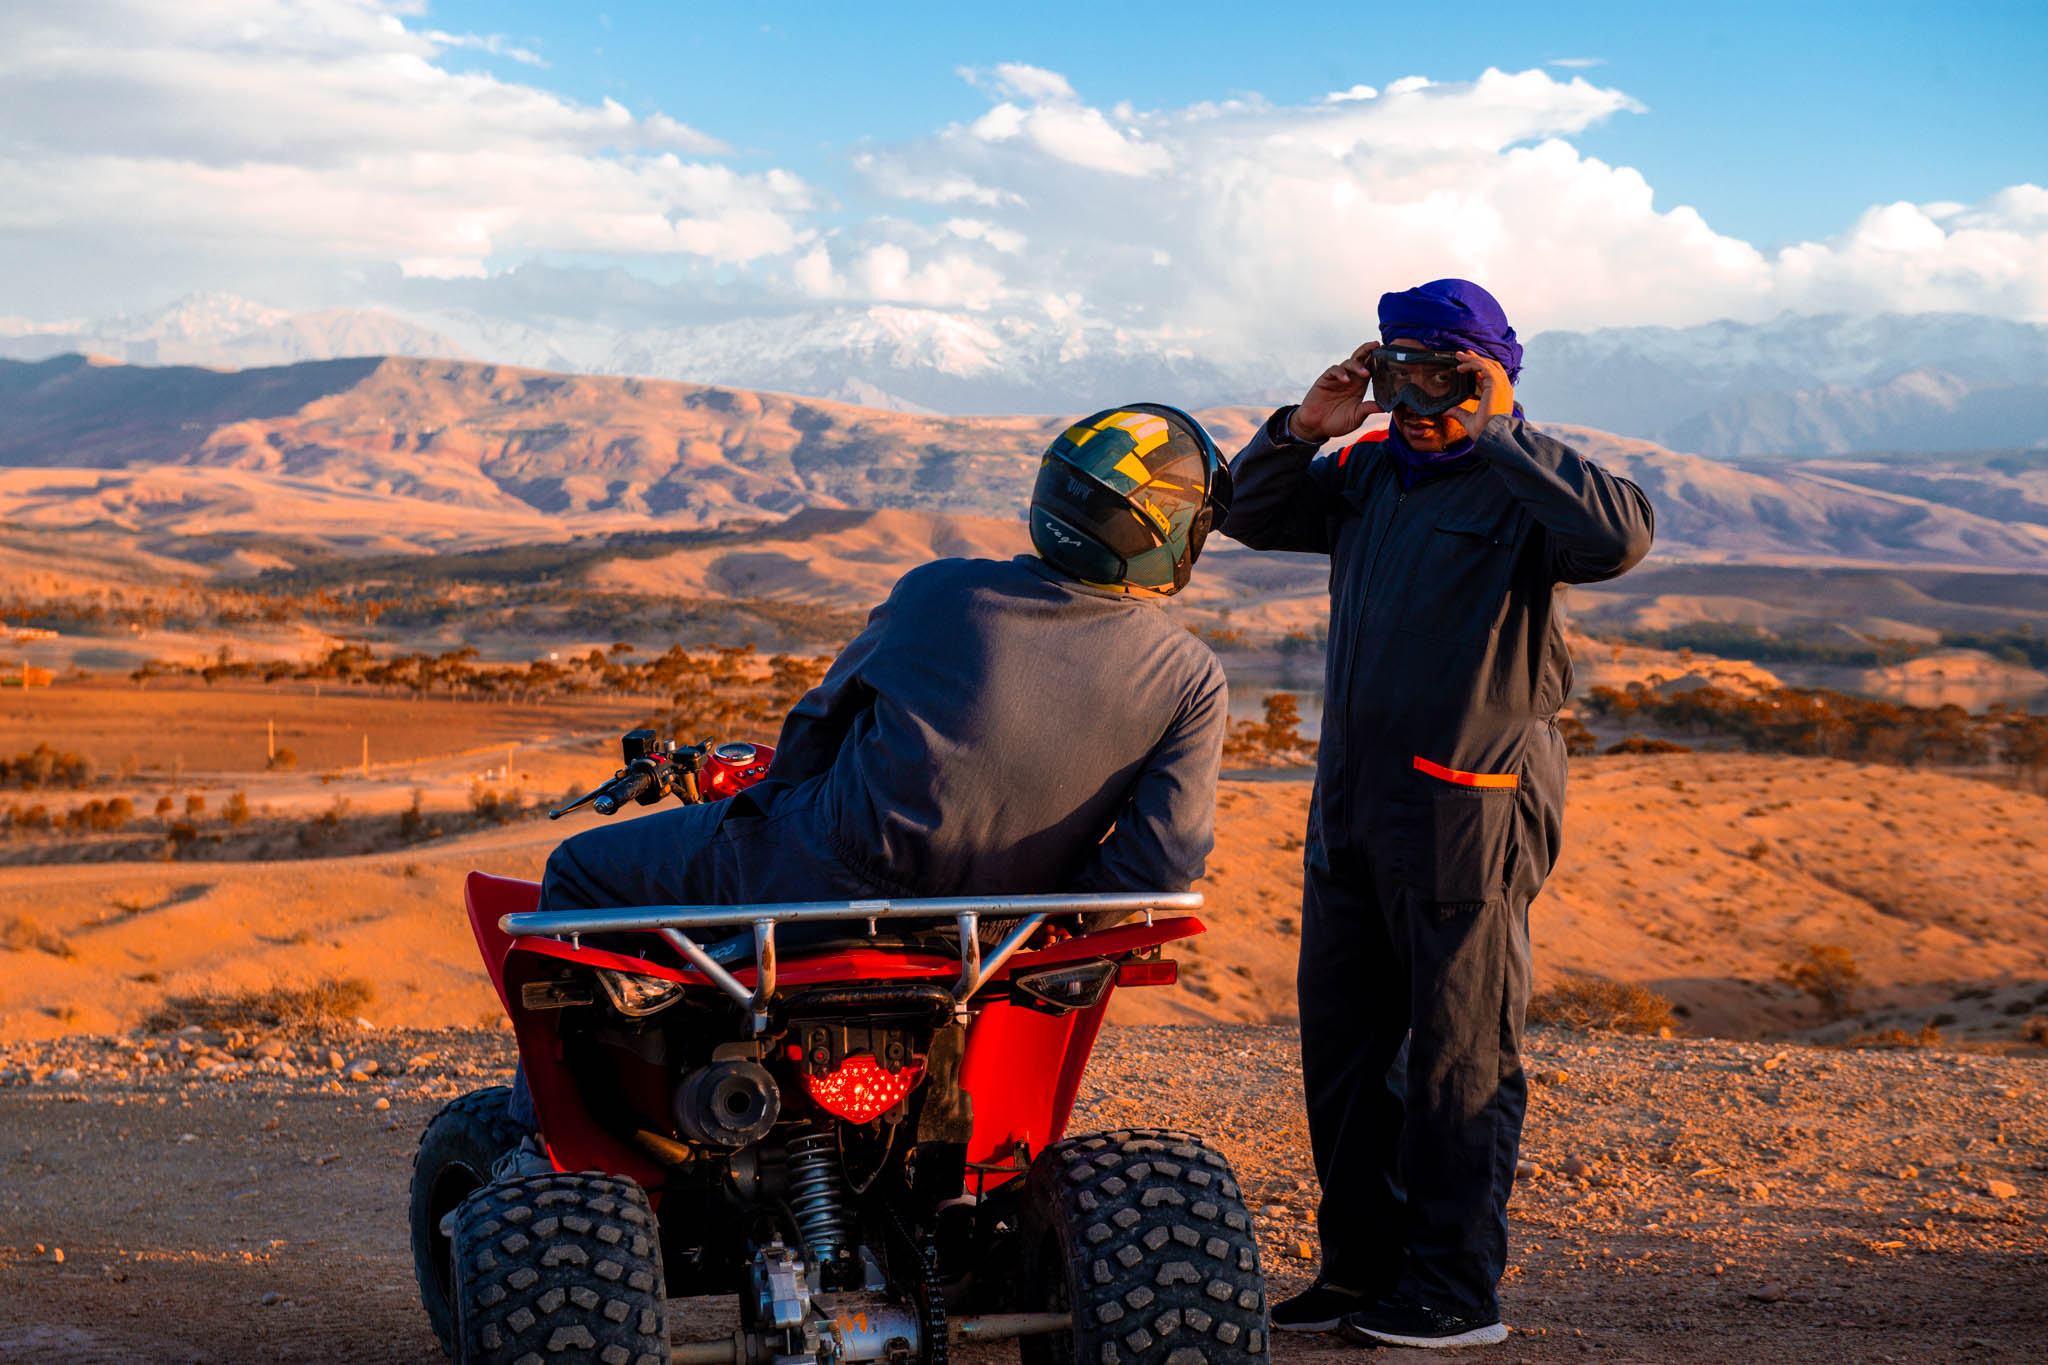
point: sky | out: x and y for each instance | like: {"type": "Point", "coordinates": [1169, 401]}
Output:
{"type": "Point", "coordinates": [1220, 171]}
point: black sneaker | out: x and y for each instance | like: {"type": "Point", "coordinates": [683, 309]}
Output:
{"type": "Point", "coordinates": [1317, 1308]}
{"type": "Point", "coordinates": [1403, 1322]}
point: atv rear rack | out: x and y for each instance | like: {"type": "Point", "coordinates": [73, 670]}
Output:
{"type": "Point", "coordinates": [671, 921]}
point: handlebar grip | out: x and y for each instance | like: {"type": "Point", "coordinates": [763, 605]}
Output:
{"type": "Point", "coordinates": [621, 789]}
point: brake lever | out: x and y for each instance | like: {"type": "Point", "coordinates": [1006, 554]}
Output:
{"type": "Point", "coordinates": [580, 802]}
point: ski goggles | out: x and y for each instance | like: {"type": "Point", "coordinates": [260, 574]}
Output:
{"type": "Point", "coordinates": [1424, 382]}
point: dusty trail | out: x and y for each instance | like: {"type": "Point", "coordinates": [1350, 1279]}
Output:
{"type": "Point", "coordinates": [1736, 1203]}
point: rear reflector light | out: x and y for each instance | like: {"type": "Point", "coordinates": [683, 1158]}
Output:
{"type": "Point", "coordinates": [1072, 986]}
{"type": "Point", "coordinates": [860, 1090]}
{"type": "Point", "coordinates": [1162, 973]}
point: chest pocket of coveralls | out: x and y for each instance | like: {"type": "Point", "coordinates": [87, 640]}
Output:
{"type": "Point", "coordinates": [1458, 589]}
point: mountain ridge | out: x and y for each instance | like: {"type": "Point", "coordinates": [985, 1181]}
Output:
{"type": "Point", "coordinates": [1795, 384]}
{"type": "Point", "coordinates": [397, 454]}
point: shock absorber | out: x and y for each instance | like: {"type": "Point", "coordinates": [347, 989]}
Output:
{"type": "Point", "coordinates": [818, 1197]}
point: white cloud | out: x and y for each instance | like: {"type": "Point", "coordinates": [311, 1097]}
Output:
{"type": "Point", "coordinates": [497, 44]}
{"type": "Point", "coordinates": [1055, 123]}
{"type": "Point", "coordinates": [1264, 229]}
{"type": "Point", "coordinates": [324, 131]}
{"type": "Point", "coordinates": [325, 139]}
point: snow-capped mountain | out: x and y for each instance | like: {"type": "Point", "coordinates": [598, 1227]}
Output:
{"type": "Point", "coordinates": [1823, 384]}
{"type": "Point", "coordinates": [1819, 384]}
{"type": "Point", "coordinates": [224, 331]}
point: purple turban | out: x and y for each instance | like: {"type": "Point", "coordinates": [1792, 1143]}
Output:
{"type": "Point", "coordinates": [1452, 315]}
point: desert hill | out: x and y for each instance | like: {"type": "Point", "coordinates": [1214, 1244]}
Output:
{"type": "Point", "coordinates": [380, 455]}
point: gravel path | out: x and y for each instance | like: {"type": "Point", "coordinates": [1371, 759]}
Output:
{"type": "Point", "coordinates": [1681, 1199]}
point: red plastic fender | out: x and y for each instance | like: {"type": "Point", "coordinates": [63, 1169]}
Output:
{"type": "Point", "coordinates": [574, 1143]}
{"type": "Point", "coordinates": [1024, 1067]}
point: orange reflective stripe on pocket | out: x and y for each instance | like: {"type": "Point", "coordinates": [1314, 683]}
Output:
{"type": "Point", "coordinates": [1464, 779]}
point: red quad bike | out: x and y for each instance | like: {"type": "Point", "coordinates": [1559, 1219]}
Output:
{"type": "Point", "coordinates": [851, 1115]}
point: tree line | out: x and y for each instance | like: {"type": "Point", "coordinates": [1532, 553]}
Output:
{"type": "Point", "coordinates": [1821, 722]}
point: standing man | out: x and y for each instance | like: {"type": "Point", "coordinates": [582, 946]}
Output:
{"type": "Point", "coordinates": [1439, 793]}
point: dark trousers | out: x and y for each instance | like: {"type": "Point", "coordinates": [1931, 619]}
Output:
{"type": "Point", "coordinates": [1415, 1152]}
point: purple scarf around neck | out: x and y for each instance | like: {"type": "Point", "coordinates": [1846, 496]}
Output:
{"type": "Point", "coordinates": [1416, 466]}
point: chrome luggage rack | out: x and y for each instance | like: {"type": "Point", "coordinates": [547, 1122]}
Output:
{"type": "Point", "coordinates": [670, 921]}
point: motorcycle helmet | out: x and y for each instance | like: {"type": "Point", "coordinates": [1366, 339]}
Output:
{"type": "Point", "coordinates": [1126, 497]}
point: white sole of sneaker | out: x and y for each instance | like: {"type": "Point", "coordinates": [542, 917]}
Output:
{"type": "Point", "coordinates": [1491, 1335]}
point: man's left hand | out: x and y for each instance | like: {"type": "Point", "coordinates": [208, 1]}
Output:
{"type": "Point", "coordinates": [1495, 398]}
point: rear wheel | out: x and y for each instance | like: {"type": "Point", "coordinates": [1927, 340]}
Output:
{"type": "Point", "coordinates": [1143, 1235]}
{"type": "Point", "coordinates": [454, 1158]}
{"type": "Point", "coordinates": [562, 1267]}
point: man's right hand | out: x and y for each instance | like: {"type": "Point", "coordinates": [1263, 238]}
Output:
{"type": "Point", "coordinates": [1339, 401]}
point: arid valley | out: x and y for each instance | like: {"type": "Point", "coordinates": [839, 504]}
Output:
{"type": "Point", "coordinates": [294, 650]}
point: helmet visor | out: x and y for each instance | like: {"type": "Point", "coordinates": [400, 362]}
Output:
{"type": "Point", "coordinates": [1425, 382]}
{"type": "Point", "coordinates": [1107, 514]}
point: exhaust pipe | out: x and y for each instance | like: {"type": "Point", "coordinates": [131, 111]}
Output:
{"type": "Point", "coordinates": [727, 1104]}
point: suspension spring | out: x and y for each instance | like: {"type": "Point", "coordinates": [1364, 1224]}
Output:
{"type": "Point", "coordinates": [818, 1196]}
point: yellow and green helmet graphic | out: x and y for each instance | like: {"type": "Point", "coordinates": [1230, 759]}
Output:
{"type": "Point", "coordinates": [1127, 496]}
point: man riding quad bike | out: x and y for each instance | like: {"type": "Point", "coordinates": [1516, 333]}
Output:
{"type": "Point", "coordinates": [813, 1038]}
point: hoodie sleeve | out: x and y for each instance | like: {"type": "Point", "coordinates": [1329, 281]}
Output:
{"type": "Point", "coordinates": [1283, 492]}
{"type": "Point", "coordinates": [1163, 834]}
{"type": "Point", "coordinates": [1600, 525]}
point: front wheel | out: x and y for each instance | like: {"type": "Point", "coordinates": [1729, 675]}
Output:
{"type": "Point", "coordinates": [563, 1267]}
{"type": "Point", "coordinates": [1143, 1236]}
{"type": "Point", "coordinates": [455, 1156]}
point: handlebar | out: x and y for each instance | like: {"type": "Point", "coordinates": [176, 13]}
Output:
{"type": "Point", "coordinates": [627, 786]}
{"type": "Point", "coordinates": [657, 767]}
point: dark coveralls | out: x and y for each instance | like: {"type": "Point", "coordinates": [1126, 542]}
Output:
{"type": "Point", "coordinates": [1436, 817]}
{"type": "Point", "coordinates": [979, 737]}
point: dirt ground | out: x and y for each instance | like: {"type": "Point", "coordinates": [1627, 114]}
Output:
{"type": "Point", "coordinates": [225, 731]}
{"type": "Point", "coordinates": [1699, 875]}
{"type": "Point", "coordinates": [1724, 1201]}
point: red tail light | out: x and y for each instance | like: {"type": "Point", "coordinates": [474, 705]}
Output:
{"type": "Point", "coordinates": [1162, 973]}
{"type": "Point", "coordinates": [860, 1090]}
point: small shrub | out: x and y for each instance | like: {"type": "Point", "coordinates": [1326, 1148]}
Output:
{"type": "Point", "coordinates": [1829, 974]}
{"type": "Point", "coordinates": [1578, 739]}
{"type": "Point", "coordinates": [99, 816]}
{"type": "Point", "coordinates": [236, 811]}
{"type": "Point", "coordinates": [1637, 744]}
{"type": "Point", "coordinates": [1757, 851]}
{"type": "Point", "coordinates": [284, 760]}
{"type": "Point", "coordinates": [2035, 1031]}
{"type": "Point", "coordinates": [499, 808]}
{"type": "Point", "coordinates": [164, 805]}
{"type": "Point", "coordinates": [328, 1000]}
{"type": "Point", "coordinates": [411, 821]}
{"type": "Point", "coordinates": [1928, 1036]}
{"type": "Point", "coordinates": [1588, 1002]}
{"type": "Point", "coordinates": [178, 838]}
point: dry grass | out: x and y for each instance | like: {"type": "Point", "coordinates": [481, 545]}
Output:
{"type": "Point", "coordinates": [19, 934]}
{"type": "Point", "coordinates": [1589, 1002]}
{"type": "Point", "coordinates": [330, 1000]}
{"type": "Point", "coordinates": [1927, 1036]}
